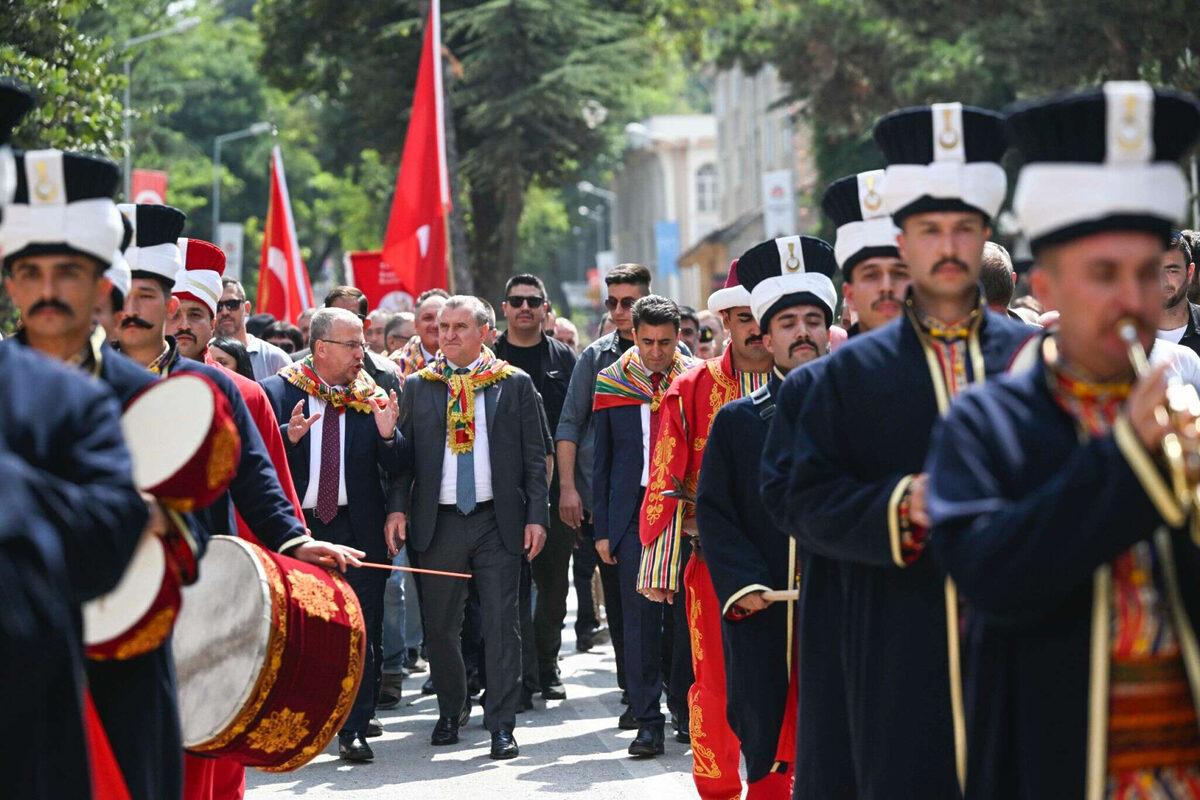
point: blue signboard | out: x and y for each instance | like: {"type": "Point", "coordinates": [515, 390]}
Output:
{"type": "Point", "coordinates": [666, 247]}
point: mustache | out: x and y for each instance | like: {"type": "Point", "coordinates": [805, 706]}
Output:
{"type": "Point", "coordinates": [945, 262]}
{"type": "Point", "coordinates": [136, 322]}
{"type": "Point", "coordinates": [185, 332]}
{"type": "Point", "coordinates": [887, 297]}
{"type": "Point", "coordinates": [796, 345]}
{"type": "Point", "coordinates": [754, 340]}
{"type": "Point", "coordinates": [51, 303]}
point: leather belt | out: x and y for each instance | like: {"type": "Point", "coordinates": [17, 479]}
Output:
{"type": "Point", "coordinates": [450, 508]}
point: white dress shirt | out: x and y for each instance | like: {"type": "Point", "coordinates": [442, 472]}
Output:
{"type": "Point", "coordinates": [315, 405]}
{"type": "Point", "coordinates": [645, 407]}
{"type": "Point", "coordinates": [448, 493]}
{"type": "Point", "coordinates": [1184, 363]}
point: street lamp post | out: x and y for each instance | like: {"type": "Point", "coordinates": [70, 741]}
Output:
{"type": "Point", "coordinates": [183, 25]}
{"type": "Point", "coordinates": [256, 129]}
{"type": "Point", "coordinates": [587, 187]}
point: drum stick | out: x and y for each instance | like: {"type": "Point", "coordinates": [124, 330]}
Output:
{"type": "Point", "coordinates": [782, 596]}
{"type": "Point", "coordinates": [330, 563]}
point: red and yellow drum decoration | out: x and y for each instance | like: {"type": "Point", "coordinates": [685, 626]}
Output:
{"type": "Point", "coordinates": [269, 655]}
{"type": "Point", "coordinates": [135, 617]}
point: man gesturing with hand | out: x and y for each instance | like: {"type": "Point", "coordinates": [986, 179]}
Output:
{"type": "Point", "coordinates": [341, 438]}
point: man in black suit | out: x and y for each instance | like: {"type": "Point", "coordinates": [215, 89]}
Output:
{"type": "Point", "coordinates": [479, 507]}
{"type": "Point", "coordinates": [340, 433]}
{"type": "Point", "coordinates": [628, 395]}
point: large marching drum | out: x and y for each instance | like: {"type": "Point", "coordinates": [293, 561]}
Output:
{"type": "Point", "coordinates": [269, 654]}
{"type": "Point", "coordinates": [185, 450]}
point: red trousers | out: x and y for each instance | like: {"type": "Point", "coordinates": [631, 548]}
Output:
{"type": "Point", "coordinates": [212, 779]}
{"type": "Point", "coordinates": [715, 748]}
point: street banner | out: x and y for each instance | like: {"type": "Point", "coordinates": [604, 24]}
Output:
{"type": "Point", "coordinates": [779, 204]}
{"type": "Point", "coordinates": [231, 237]}
{"type": "Point", "coordinates": [149, 186]}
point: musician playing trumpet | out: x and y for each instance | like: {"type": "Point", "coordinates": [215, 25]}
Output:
{"type": "Point", "coordinates": [1054, 504]}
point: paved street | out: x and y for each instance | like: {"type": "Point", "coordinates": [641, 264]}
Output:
{"type": "Point", "coordinates": [569, 748]}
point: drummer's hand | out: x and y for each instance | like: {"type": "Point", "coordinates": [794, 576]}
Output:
{"type": "Point", "coordinates": [385, 418]}
{"type": "Point", "coordinates": [321, 553]}
{"type": "Point", "coordinates": [157, 522]}
{"type": "Point", "coordinates": [395, 531]}
{"type": "Point", "coordinates": [751, 603]}
{"type": "Point", "coordinates": [298, 425]}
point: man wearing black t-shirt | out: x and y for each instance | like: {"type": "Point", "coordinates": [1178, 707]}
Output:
{"type": "Point", "coordinates": [549, 363]}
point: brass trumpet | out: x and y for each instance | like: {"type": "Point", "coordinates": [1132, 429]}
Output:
{"type": "Point", "coordinates": [1181, 415]}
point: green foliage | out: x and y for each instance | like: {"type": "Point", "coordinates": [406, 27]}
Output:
{"type": "Point", "coordinates": [70, 73]}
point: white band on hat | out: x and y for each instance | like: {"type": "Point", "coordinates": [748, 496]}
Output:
{"type": "Point", "coordinates": [766, 293]}
{"type": "Point", "coordinates": [727, 298]}
{"type": "Point", "coordinates": [203, 284]}
{"type": "Point", "coordinates": [160, 259]}
{"type": "Point", "coordinates": [119, 274]}
{"type": "Point", "coordinates": [979, 184]}
{"type": "Point", "coordinates": [1051, 197]}
{"type": "Point", "coordinates": [89, 226]}
{"type": "Point", "coordinates": [860, 234]}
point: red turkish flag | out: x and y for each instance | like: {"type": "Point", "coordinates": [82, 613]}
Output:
{"type": "Point", "coordinates": [415, 243]}
{"type": "Point", "coordinates": [283, 287]}
{"type": "Point", "coordinates": [149, 186]}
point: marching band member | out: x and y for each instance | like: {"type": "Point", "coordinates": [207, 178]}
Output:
{"type": "Point", "coordinates": [793, 301]}
{"type": "Point", "coordinates": [1051, 508]}
{"type": "Point", "coordinates": [856, 488]}
{"type": "Point", "coordinates": [875, 280]}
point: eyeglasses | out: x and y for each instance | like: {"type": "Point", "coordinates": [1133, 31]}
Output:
{"type": "Point", "coordinates": [518, 300]}
{"type": "Point", "coordinates": [285, 345]}
{"type": "Point", "coordinates": [229, 305]}
{"type": "Point", "coordinates": [626, 303]}
{"type": "Point", "coordinates": [359, 346]}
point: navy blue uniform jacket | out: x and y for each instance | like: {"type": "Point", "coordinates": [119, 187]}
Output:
{"type": "Point", "coordinates": [1026, 519]}
{"type": "Point", "coordinates": [745, 552]}
{"type": "Point", "coordinates": [862, 431]}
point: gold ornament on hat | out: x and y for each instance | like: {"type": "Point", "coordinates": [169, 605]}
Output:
{"type": "Point", "coordinates": [948, 138]}
{"type": "Point", "coordinates": [792, 264]}
{"type": "Point", "coordinates": [1131, 133]}
{"type": "Point", "coordinates": [872, 201]}
{"type": "Point", "coordinates": [45, 188]}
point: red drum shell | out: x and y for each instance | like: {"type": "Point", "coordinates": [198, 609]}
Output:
{"type": "Point", "coordinates": [183, 440]}
{"type": "Point", "coordinates": [308, 658]}
{"type": "Point", "coordinates": [139, 633]}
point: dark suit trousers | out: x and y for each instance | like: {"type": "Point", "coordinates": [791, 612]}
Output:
{"type": "Point", "coordinates": [369, 585]}
{"type": "Point", "coordinates": [551, 573]}
{"type": "Point", "coordinates": [610, 581]}
{"type": "Point", "coordinates": [643, 634]}
{"type": "Point", "coordinates": [472, 544]}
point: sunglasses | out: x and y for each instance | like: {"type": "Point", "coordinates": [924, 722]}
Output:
{"type": "Point", "coordinates": [229, 305]}
{"type": "Point", "coordinates": [516, 301]}
{"type": "Point", "coordinates": [285, 346]}
{"type": "Point", "coordinates": [626, 303]}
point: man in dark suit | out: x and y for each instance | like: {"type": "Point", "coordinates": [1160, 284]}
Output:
{"type": "Point", "coordinates": [340, 433]}
{"type": "Point", "coordinates": [480, 507]}
{"type": "Point", "coordinates": [628, 394]}
{"type": "Point", "coordinates": [381, 369]}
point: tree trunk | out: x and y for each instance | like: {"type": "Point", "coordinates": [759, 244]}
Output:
{"type": "Point", "coordinates": [495, 215]}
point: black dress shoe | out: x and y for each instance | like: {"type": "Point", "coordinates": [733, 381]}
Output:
{"type": "Point", "coordinates": [474, 685]}
{"type": "Point", "coordinates": [353, 747]}
{"type": "Point", "coordinates": [624, 697]}
{"type": "Point", "coordinates": [583, 642]}
{"type": "Point", "coordinates": [374, 728]}
{"type": "Point", "coordinates": [465, 716]}
{"type": "Point", "coordinates": [526, 701]}
{"type": "Point", "coordinates": [627, 721]}
{"type": "Point", "coordinates": [553, 689]}
{"type": "Point", "coordinates": [649, 742]}
{"type": "Point", "coordinates": [680, 724]}
{"type": "Point", "coordinates": [504, 746]}
{"type": "Point", "coordinates": [428, 687]}
{"type": "Point", "coordinates": [445, 732]}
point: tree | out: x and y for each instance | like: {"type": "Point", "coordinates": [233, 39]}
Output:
{"type": "Point", "coordinates": [70, 74]}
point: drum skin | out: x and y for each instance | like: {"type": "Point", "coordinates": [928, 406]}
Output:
{"type": "Point", "coordinates": [149, 630]}
{"type": "Point", "coordinates": [269, 655]}
{"type": "Point", "coordinates": [184, 442]}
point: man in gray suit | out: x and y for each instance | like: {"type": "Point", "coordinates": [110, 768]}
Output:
{"type": "Point", "coordinates": [477, 502]}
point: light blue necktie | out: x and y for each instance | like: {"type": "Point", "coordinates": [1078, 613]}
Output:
{"type": "Point", "coordinates": [465, 485]}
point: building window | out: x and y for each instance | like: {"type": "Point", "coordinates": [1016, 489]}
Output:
{"type": "Point", "coordinates": [706, 188]}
